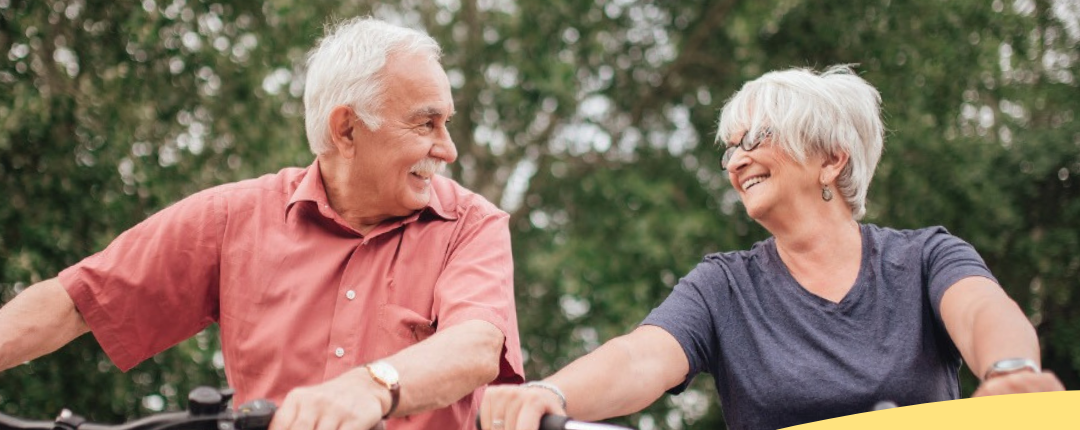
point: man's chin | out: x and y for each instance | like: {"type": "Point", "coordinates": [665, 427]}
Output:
{"type": "Point", "coordinates": [419, 201]}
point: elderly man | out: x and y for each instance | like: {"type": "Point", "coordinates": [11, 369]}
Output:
{"type": "Point", "coordinates": [361, 288]}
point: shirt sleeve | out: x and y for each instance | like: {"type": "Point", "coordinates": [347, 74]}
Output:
{"type": "Point", "coordinates": [477, 283]}
{"type": "Point", "coordinates": [154, 285]}
{"type": "Point", "coordinates": [689, 316]}
{"type": "Point", "coordinates": [947, 259]}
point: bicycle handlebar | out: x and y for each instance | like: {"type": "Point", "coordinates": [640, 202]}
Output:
{"type": "Point", "coordinates": [207, 410]}
{"type": "Point", "coordinates": [559, 422]}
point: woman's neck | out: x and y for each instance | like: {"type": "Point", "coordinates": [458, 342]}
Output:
{"type": "Point", "coordinates": [823, 254]}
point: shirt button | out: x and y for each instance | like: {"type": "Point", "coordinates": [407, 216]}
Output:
{"type": "Point", "coordinates": [340, 352]}
{"type": "Point", "coordinates": [350, 294]}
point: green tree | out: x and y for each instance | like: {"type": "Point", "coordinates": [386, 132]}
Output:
{"type": "Point", "coordinates": [590, 122]}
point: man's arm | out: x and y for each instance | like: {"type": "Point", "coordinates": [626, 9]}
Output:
{"type": "Point", "coordinates": [444, 368]}
{"type": "Point", "coordinates": [433, 373]}
{"type": "Point", "coordinates": [36, 322]}
{"type": "Point", "coordinates": [987, 326]}
{"type": "Point", "coordinates": [623, 376]}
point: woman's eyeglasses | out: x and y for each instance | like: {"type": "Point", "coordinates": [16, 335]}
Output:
{"type": "Point", "coordinates": [747, 144]}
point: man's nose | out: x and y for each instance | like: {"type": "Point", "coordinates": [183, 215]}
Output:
{"type": "Point", "coordinates": [444, 149]}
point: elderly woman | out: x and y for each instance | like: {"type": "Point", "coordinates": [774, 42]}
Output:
{"type": "Point", "coordinates": [823, 319]}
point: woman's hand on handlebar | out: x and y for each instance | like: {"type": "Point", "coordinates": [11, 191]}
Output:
{"type": "Point", "coordinates": [1018, 383]}
{"type": "Point", "coordinates": [512, 407]}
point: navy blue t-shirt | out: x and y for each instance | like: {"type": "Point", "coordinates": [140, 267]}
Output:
{"type": "Point", "coordinates": [782, 356]}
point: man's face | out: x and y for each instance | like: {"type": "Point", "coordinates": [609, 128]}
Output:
{"type": "Point", "coordinates": [395, 163]}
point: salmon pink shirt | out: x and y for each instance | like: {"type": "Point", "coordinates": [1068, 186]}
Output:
{"type": "Point", "coordinates": [301, 297]}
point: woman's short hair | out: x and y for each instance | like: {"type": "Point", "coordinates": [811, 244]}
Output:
{"type": "Point", "coordinates": [343, 69]}
{"type": "Point", "coordinates": [806, 112]}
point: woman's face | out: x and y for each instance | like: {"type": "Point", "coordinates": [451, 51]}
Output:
{"type": "Point", "coordinates": [772, 185]}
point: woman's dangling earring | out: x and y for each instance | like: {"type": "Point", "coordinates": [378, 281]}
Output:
{"type": "Point", "coordinates": [826, 193]}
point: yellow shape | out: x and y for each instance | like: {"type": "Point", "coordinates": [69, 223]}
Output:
{"type": "Point", "coordinates": [1044, 411]}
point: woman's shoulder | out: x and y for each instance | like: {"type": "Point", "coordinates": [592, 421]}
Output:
{"type": "Point", "coordinates": [741, 260]}
{"type": "Point", "coordinates": [915, 243]}
{"type": "Point", "coordinates": [889, 234]}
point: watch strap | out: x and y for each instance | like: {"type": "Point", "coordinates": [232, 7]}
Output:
{"type": "Point", "coordinates": [392, 385]}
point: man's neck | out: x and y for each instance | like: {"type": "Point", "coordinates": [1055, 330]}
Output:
{"type": "Point", "coordinates": [353, 203]}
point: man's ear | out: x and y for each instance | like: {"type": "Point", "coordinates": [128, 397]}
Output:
{"type": "Point", "coordinates": [342, 125]}
{"type": "Point", "coordinates": [832, 165]}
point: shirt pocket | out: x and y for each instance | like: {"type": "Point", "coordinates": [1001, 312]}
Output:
{"type": "Point", "coordinates": [404, 326]}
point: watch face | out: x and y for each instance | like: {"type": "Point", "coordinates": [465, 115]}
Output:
{"type": "Point", "coordinates": [384, 372]}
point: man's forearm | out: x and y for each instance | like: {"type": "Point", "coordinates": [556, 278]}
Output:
{"type": "Point", "coordinates": [447, 366]}
{"type": "Point", "coordinates": [36, 322]}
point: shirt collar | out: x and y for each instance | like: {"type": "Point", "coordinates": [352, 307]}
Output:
{"type": "Point", "coordinates": [310, 188]}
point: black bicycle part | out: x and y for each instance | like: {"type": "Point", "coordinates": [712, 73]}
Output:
{"type": "Point", "coordinates": [208, 409]}
{"type": "Point", "coordinates": [559, 422]}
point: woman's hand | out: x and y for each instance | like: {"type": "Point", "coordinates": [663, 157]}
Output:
{"type": "Point", "coordinates": [513, 407]}
{"type": "Point", "coordinates": [1020, 382]}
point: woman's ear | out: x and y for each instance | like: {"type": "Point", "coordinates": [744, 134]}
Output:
{"type": "Point", "coordinates": [832, 165]}
{"type": "Point", "coordinates": [342, 125]}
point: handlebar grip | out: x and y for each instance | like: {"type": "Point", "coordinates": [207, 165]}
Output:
{"type": "Point", "coordinates": [553, 422]}
{"type": "Point", "coordinates": [255, 415]}
{"type": "Point", "coordinates": [13, 423]}
{"type": "Point", "coordinates": [547, 422]}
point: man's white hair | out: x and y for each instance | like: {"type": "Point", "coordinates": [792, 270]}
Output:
{"type": "Point", "coordinates": [343, 70]}
{"type": "Point", "coordinates": [806, 113]}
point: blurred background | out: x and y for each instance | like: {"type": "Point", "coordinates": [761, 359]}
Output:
{"type": "Point", "coordinates": [591, 122]}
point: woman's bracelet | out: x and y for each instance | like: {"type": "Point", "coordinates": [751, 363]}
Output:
{"type": "Point", "coordinates": [549, 387]}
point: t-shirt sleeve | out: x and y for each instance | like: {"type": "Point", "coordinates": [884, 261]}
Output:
{"type": "Point", "coordinates": [478, 284]}
{"type": "Point", "coordinates": [154, 285]}
{"type": "Point", "coordinates": [688, 315]}
{"type": "Point", "coordinates": [947, 259]}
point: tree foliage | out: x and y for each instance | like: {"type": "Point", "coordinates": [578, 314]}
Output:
{"type": "Point", "coordinates": [590, 122]}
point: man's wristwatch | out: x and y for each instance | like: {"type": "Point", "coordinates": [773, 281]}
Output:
{"type": "Point", "coordinates": [385, 374]}
{"type": "Point", "coordinates": [1011, 365]}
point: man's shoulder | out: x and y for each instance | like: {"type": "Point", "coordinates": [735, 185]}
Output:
{"type": "Point", "coordinates": [280, 182]}
{"type": "Point", "coordinates": [458, 201]}
{"type": "Point", "coordinates": [271, 188]}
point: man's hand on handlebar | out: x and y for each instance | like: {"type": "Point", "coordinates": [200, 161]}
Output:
{"type": "Point", "coordinates": [349, 402]}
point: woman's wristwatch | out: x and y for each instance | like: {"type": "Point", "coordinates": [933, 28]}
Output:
{"type": "Point", "coordinates": [1011, 365]}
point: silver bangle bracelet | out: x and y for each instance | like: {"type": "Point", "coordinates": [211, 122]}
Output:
{"type": "Point", "coordinates": [1011, 365]}
{"type": "Point", "coordinates": [549, 387]}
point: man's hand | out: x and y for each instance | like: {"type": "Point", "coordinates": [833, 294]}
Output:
{"type": "Point", "coordinates": [1021, 382]}
{"type": "Point", "coordinates": [352, 401]}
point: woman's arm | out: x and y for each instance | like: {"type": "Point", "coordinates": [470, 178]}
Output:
{"type": "Point", "coordinates": [623, 376]}
{"type": "Point", "coordinates": [987, 326]}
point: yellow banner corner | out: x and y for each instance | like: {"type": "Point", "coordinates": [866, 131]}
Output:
{"type": "Point", "coordinates": [1043, 411]}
